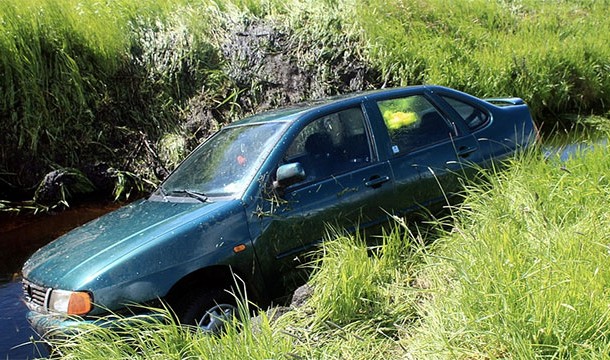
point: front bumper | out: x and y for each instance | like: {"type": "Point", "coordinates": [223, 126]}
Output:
{"type": "Point", "coordinates": [51, 325]}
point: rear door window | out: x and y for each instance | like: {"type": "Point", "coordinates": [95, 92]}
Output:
{"type": "Point", "coordinates": [412, 123]}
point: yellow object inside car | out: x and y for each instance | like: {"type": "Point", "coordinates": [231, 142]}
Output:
{"type": "Point", "coordinates": [398, 119]}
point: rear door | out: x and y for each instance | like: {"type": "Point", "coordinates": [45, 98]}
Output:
{"type": "Point", "coordinates": [426, 140]}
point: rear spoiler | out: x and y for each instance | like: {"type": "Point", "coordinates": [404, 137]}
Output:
{"type": "Point", "coordinates": [506, 101]}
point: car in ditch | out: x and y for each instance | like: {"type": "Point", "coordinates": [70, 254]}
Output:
{"type": "Point", "coordinates": [256, 197]}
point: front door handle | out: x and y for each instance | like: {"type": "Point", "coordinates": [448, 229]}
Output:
{"type": "Point", "coordinates": [464, 151]}
{"type": "Point", "coordinates": [376, 181]}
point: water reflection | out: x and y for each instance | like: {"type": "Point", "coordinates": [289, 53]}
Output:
{"type": "Point", "coordinates": [564, 152]}
{"type": "Point", "coordinates": [21, 235]}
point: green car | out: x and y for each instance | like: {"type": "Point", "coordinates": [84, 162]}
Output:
{"type": "Point", "coordinates": [254, 199]}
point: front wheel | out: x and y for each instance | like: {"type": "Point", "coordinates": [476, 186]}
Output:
{"type": "Point", "coordinates": [209, 310]}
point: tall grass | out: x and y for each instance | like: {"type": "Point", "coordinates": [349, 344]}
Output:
{"type": "Point", "coordinates": [520, 271]}
{"type": "Point", "coordinates": [158, 336]}
{"type": "Point", "coordinates": [52, 51]}
{"type": "Point", "coordinates": [552, 54]}
{"type": "Point", "coordinates": [81, 80]}
{"type": "Point", "coordinates": [84, 82]}
{"type": "Point", "coordinates": [525, 270]}
{"type": "Point", "coordinates": [355, 280]}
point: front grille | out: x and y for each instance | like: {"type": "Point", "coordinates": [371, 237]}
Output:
{"type": "Point", "coordinates": [33, 293]}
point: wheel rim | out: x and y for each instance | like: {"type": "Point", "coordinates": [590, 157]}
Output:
{"type": "Point", "coordinates": [215, 319]}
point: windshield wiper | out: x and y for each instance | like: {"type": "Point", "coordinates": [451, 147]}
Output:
{"type": "Point", "coordinates": [194, 194]}
{"type": "Point", "coordinates": [163, 193]}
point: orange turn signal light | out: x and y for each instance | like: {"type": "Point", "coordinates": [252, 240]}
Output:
{"type": "Point", "coordinates": [79, 303]}
{"type": "Point", "coordinates": [239, 248]}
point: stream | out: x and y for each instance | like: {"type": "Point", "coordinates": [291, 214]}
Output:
{"type": "Point", "coordinates": [20, 236]}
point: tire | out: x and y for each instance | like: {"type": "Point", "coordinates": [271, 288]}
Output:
{"type": "Point", "coordinates": [209, 310]}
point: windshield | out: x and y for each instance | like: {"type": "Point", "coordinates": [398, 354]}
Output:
{"type": "Point", "coordinates": [226, 163]}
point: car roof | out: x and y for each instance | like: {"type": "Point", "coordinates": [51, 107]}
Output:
{"type": "Point", "coordinates": [293, 112]}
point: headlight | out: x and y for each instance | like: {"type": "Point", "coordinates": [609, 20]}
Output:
{"type": "Point", "coordinates": [70, 302]}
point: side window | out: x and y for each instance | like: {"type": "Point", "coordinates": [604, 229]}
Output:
{"type": "Point", "coordinates": [412, 123]}
{"type": "Point", "coordinates": [331, 145]}
{"type": "Point", "coordinates": [473, 117]}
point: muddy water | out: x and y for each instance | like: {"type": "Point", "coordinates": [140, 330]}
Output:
{"type": "Point", "coordinates": [20, 236]}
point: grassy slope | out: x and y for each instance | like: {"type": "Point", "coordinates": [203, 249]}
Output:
{"type": "Point", "coordinates": [525, 272]}
{"type": "Point", "coordinates": [94, 81]}
{"type": "Point", "coordinates": [81, 80]}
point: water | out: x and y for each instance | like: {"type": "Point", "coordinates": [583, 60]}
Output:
{"type": "Point", "coordinates": [19, 238]}
{"type": "Point", "coordinates": [17, 340]}
{"type": "Point", "coordinates": [566, 151]}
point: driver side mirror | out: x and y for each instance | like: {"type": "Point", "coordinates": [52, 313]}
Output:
{"type": "Point", "coordinates": [288, 174]}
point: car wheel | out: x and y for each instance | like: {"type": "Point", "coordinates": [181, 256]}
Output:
{"type": "Point", "coordinates": [208, 310]}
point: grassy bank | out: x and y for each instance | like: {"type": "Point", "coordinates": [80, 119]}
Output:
{"type": "Point", "coordinates": [524, 273]}
{"type": "Point", "coordinates": [95, 82]}
{"type": "Point", "coordinates": [136, 84]}
{"type": "Point", "coordinates": [519, 271]}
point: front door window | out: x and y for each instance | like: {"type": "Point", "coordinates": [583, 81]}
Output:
{"type": "Point", "coordinates": [332, 145]}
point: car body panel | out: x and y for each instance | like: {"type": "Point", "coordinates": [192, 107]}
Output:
{"type": "Point", "coordinates": [155, 254]}
{"type": "Point", "coordinates": [105, 240]}
{"type": "Point", "coordinates": [341, 202]}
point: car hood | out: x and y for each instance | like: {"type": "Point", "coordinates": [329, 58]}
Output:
{"type": "Point", "coordinates": [106, 239]}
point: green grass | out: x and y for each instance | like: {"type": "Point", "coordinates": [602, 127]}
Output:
{"type": "Point", "coordinates": [554, 55]}
{"type": "Point", "coordinates": [519, 271]}
{"type": "Point", "coordinates": [524, 272]}
{"type": "Point", "coordinates": [84, 82]}
{"type": "Point", "coordinates": [160, 337]}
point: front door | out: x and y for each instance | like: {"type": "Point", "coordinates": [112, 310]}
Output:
{"type": "Point", "coordinates": [345, 186]}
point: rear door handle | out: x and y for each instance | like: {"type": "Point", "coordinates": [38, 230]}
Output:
{"type": "Point", "coordinates": [376, 181]}
{"type": "Point", "coordinates": [464, 151]}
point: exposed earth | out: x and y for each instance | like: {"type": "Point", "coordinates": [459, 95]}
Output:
{"type": "Point", "coordinates": [265, 64]}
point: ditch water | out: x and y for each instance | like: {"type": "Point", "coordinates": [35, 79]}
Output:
{"type": "Point", "coordinates": [20, 236]}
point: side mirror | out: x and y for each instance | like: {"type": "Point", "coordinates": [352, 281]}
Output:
{"type": "Point", "coordinates": [289, 174]}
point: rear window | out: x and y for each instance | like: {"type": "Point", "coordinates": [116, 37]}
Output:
{"type": "Point", "coordinates": [473, 116]}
